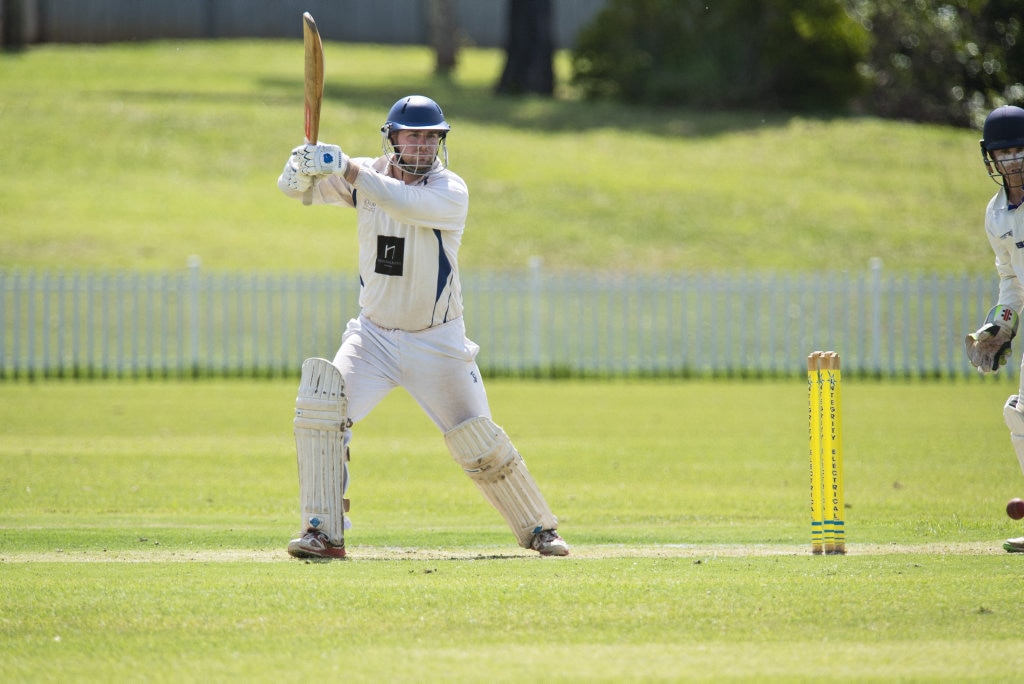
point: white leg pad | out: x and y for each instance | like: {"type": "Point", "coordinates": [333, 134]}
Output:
{"type": "Point", "coordinates": [1015, 421]}
{"type": "Point", "coordinates": [487, 455]}
{"type": "Point", "coordinates": [321, 421]}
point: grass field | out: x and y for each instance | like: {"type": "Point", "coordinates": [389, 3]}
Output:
{"type": "Point", "coordinates": [140, 155]}
{"type": "Point", "coordinates": [142, 533]}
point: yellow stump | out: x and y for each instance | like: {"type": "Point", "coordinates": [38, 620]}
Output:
{"type": "Point", "coordinates": [835, 383]}
{"type": "Point", "coordinates": [814, 433]}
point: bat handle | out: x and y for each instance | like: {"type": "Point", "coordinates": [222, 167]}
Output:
{"type": "Point", "coordinates": [307, 195]}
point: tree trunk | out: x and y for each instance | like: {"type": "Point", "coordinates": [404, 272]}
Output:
{"type": "Point", "coordinates": [12, 24]}
{"type": "Point", "coordinates": [444, 35]}
{"type": "Point", "coordinates": [529, 49]}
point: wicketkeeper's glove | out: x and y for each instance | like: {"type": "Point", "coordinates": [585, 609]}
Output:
{"type": "Point", "coordinates": [989, 347]}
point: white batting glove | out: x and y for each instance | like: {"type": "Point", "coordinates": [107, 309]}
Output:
{"type": "Point", "coordinates": [320, 159]}
{"type": "Point", "coordinates": [990, 346]}
{"type": "Point", "coordinates": [291, 179]}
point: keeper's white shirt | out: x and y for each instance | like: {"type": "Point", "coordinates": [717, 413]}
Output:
{"type": "Point", "coordinates": [409, 237]}
{"type": "Point", "coordinates": [1005, 231]}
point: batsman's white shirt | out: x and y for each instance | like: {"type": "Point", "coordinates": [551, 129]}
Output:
{"type": "Point", "coordinates": [409, 237]}
{"type": "Point", "coordinates": [410, 332]}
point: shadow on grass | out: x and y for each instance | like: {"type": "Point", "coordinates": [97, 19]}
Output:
{"type": "Point", "coordinates": [548, 115]}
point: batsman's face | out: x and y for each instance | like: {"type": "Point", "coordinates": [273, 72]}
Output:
{"type": "Point", "coordinates": [417, 148]}
{"type": "Point", "coordinates": [1010, 163]}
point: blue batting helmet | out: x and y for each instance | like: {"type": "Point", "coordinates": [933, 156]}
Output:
{"type": "Point", "coordinates": [415, 112]}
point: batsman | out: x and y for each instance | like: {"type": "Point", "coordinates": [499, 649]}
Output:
{"type": "Point", "coordinates": [410, 214]}
{"type": "Point", "coordinates": [988, 348]}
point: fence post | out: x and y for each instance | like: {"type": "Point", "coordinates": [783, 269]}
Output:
{"type": "Point", "coordinates": [194, 263]}
{"type": "Point", "coordinates": [875, 263]}
{"type": "Point", "coordinates": [536, 290]}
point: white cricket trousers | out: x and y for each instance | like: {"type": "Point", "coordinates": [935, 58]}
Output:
{"type": "Point", "coordinates": [436, 366]}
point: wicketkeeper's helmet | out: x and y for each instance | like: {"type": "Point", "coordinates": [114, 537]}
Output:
{"type": "Point", "coordinates": [419, 113]}
{"type": "Point", "coordinates": [1004, 128]}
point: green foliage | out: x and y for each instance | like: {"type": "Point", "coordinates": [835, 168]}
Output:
{"type": "Point", "coordinates": [936, 61]}
{"type": "Point", "coordinates": [949, 62]}
{"type": "Point", "coordinates": [142, 533]}
{"type": "Point", "coordinates": [783, 54]}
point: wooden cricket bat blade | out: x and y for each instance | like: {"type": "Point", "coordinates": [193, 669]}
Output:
{"type": "Point", "coordinates": [314, 84]}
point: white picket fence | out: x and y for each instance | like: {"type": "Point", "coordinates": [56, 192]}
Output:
{"type": "Point", "coordinates": [529, 322]}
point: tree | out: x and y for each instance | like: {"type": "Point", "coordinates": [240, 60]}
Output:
{"type": "Point", "coordinates": [789, 54]}
{"type": "Point", "coordinates": [529, 49]}
{"type": "Point", "coordinates": [949, 62]}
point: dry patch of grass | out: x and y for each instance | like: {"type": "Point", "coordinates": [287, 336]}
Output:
{"type": "Point", "coordinates": [357, 554]}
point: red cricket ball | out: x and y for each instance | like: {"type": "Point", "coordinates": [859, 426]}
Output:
{"type": "Point", "coordinates": [1015, 508]}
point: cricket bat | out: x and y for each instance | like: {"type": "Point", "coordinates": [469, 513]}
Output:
{"type": "Point", "coordinates": [314, 85]}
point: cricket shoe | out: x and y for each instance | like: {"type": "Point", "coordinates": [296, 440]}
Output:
{"type": "Point", "coordinates": [314, 544]}
{"type": "Point", "coordinates": [548, 543]}
{"type": "Point", "coordinates": [1015, 545]}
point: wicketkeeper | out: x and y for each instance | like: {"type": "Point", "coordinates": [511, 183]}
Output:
{"type": "Point", "coordinates": [411, 213]}
{"type": "Point", "coordinates": [1002, 149]}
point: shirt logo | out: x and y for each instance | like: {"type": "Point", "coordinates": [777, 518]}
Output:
{"type": "Point", "coordinates": [390, 255]}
